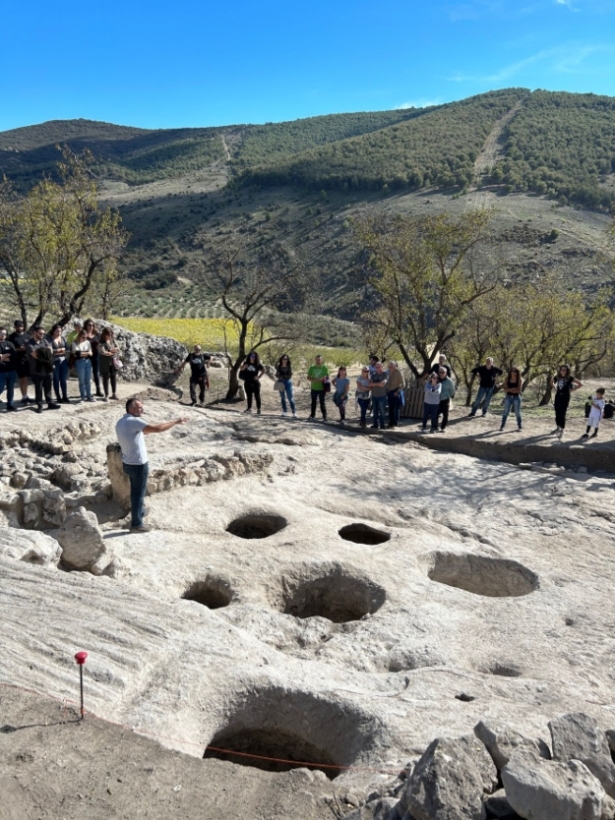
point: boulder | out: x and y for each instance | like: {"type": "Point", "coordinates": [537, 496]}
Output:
{"type": "Point", "coordinates": [120, 484]}
{"type": "Point", "coordinates": [32, 547]}
{"type": "Point", "coordinates": [578, 736]}
{"type": "Point", "coordinates": [539, 789]}
{"type": "Point", "coordinates": [42, 508]}
{"type": "Point", "coordinates": [448, 782]}
{"type": "Point", "coordinates": [501, 741]}
{"type": "Point", "coordinates": [83, 545]}
{"type": "Point", "coordinates": [498, 807]}
{"type": "Point", "coordinates": [148, 358]}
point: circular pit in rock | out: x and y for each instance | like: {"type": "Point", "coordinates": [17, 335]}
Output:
{"type": "Point", "coordinates": [482, 574]}
{"type": "Point", "coordinates": [268, 730]}
{"type": "Point", "coordinates": [334, 593]}
{"type": "Point", "coordinates": [214, 593]}
{"type": "Point", "coordinates": [364, 534]}
{"type": "Point", "coordinates": [257, 525]}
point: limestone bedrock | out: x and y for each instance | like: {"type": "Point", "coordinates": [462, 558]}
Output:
{"type": "Point", "coordinates": [472, 591]}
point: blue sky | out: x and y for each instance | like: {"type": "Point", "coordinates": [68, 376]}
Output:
{"type": "Point", "coordinates": [189, 63]}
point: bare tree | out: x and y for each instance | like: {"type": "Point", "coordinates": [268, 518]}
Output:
{"type": "Point", "coordinates": [264, 291]}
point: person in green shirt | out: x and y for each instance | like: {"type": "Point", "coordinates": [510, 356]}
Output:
{"type": "Point", "coordinates": [317, 374]}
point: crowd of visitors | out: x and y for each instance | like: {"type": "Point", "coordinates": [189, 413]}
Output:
{"type": "Point", "coordinates": [47, 359]}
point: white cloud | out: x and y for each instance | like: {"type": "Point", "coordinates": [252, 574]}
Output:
{"type": "Point", "coordinates": [561, 60]}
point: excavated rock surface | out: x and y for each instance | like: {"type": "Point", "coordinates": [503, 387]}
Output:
{"type": "Point", "coordinates": [344, 603]}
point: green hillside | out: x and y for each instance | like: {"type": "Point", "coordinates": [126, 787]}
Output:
{"type": "Point", "coordinates": [561, 145]}
{"type": "Point", "coordinates": [264, 144]}
{"type": "Point", "coordinates": [436, 146]}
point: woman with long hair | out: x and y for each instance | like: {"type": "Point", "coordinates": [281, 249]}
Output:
{"type": "Point", "coordinates": [92, 336]}
{"type": "Point", "coordinates": [342, 385]}
{"type": "Point", "coordinates": [564, 384]}
{"type": "Point", "coordinates": [60, 364]}
{"type": "Point", "coordinates": [284, 374]}
{"type": "Point", "coordinates": [512, 386]}
{"type": "Point", "coordinates": [107, 351]}
{"type": "Point", "coordinates": [252, 370]}
{"type": "Point", "coordinates": [81, 349]}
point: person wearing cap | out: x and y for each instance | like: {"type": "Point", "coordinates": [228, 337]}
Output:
{"type": "Point", "coordinates": [198, 373]}
{"type": "Point", "coordinates": [130, 431]}
{"type": "Point", "coordinates": [18, 339]}
{"type": "Point", "coordinates": [40, 355]}
{"type": "Point", "coordinates": [8, 363]}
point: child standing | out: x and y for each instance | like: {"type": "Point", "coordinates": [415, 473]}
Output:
{"type": "Point", "coordinates": [340, 397]}
{"type": "Point", "coordinates": [595, 413]}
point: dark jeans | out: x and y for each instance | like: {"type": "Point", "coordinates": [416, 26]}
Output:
{"type": "Point", "coordinates": [111, 376]}
{"type": "Point", "coordinates": [379, 404]}
{"type": "Point", "coordinates": [95, 373]}
{"type": "Point", "coordinates": [8, 380]}
{"type": "Point", "coordinates": [137, 473]}
{"type": "Point", "coordinates": [560, 403]}
{"type": "Point", "coordinates": [42, 384]}
{"type": "Point", "coordinates": [318, 395]}
{"type": "Point", "coordinates": [443, 410]}
{"type": "Point", "coordinates": [394, 408]}
{"type": "Point", "coordinates": [253, 388]}
{"type": "Point", "coordinates": [430, 411]}
{"type": "Point", "coordinates": [484, 395]}
{"type": "Point", "coordinates": [198, 381]}
{"type": "Point", "coordinates": [60, 379]}
{"type": "Point", "coordinates": [363, 404]}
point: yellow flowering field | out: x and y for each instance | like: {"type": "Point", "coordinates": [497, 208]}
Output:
{"type": "Point", "coordinates": [209, 333]}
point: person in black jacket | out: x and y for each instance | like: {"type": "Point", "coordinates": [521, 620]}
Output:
{"type": "Point", "coordinates": [40, 354]}
{"type": "Point", "coordinates": [251, 371]}
{"type": "Point", "coordinates": [488, 375]}
{"type": "Point", "coordinates": [198, 362]}
{"type": "Point", "coordinates": [18, 339]}
{"type": "Point", "coordinates": [8, 364]}
{"type": "Point", "coordinates": [564, 384]}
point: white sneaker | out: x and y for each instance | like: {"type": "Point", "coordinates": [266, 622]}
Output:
{"type": "Point", "coordinates": [295, 416]}
{"type": "Point", "coordinates": [284, 414]}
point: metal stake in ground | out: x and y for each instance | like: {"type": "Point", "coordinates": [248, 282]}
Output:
{"type": "Point", "coordinates": [81, 657]}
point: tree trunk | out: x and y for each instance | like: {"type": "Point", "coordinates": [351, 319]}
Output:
{"type": "Point", "coordinates": [546, 396]}
{"type": "Point", "coordinates": [233, 381]}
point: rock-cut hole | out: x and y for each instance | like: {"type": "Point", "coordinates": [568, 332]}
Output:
{"type": "Point", "coordinates": [482, 575]}
{"type": "Point", "coordinates": [278, 729]}
{"type": "Point", "coordinates": [336, 595]}
{"type": "Point", "coordinates": [212, 593]}
{"type": "Point", "coordinates": [256, 525]}
{"type": "Point", "coordinates": [272, 750]}
{"type": "Point", "coordinates": [364, 534]}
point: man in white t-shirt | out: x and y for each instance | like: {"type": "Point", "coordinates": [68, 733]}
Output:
{"type": "Point", "coordinates": [130, 431]}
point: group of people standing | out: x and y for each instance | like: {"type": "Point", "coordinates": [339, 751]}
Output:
{"type": "Point", "coordinates": [46, 359]}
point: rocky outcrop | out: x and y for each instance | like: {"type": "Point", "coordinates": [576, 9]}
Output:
{"type": "Point", "coordinates": [539, 789]}
{"type": "Point", "coordinates": [577, 736]}
{"type": "Point", "coordinates": [148, 358]}
{"type": "Point", "coordinates": [502, 741]}
{"type": "Point", "coordinates": [449, 781]}
{"type": "Point", "coordinates": [31, 547]}
{"type": "Point", "coordinates": [82, 542]}
{"type": "Point", "coordinates": [188, 473]}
